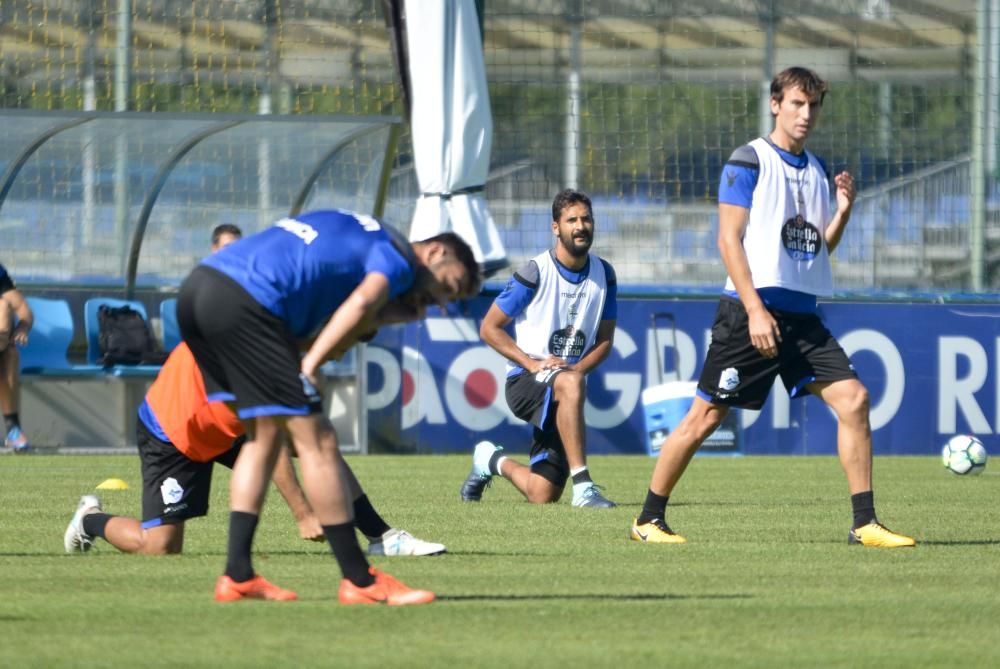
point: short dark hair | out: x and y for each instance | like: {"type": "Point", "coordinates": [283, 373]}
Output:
{"type": "Point", "coordinates": [567, 197]}
{"type": "Point", "coordinates": [225, 229]}
{"type": "Point", "coordinates": [463, 254]}
{"type": "Point", "coordinates": [798, 77]}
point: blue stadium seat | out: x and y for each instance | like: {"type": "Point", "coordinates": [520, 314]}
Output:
{"type": "Point", "coordinates": [689, 245]}
{"type": "Point", "coordinates": [50, 337]}
{"type": "Point", "coordinates": [93, 330]}
{"type": "Point", "coordinates": [168, 323]}
{"type": "Point", "coordinates": [954, 210]}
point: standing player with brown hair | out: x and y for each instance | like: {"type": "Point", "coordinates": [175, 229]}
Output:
{"type": "Point", "coordinates": [775, 237]}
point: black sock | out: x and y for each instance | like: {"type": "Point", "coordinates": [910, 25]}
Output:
{"type": "Point", "coordinates": [241, 530]}
{"type": "Point", "coordinates": [494, 459]}
{"type": "Point", "coordinates": [367, 518]}
{"type": "Point", "coordinates": [582, 476]}
{"type": "Point", "coordinates": [654, 507]}
{"type": "Point", "coordinates": [94, 523]}
{"type": "Point", "coordinates": [344, 544]}
{"type": "Point", "coordinates": [863, 505]}
{"type": "Point", "coordinates": [12, 420]}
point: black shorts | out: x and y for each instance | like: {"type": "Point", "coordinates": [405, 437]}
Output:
{"type": "Point", "coordinates": [736, 374]}
{"type": "Point", "coordinates": [245, 352]}
{"type": "Point", "coordinates": [174, 487]}
{"type": "Point", "coordinates": [529, 397]}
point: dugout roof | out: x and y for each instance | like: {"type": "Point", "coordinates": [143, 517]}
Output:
{"type": "Point", "coordinates": [109, 197]}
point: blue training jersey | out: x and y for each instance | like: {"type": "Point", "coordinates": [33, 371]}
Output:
{"type": "Point", "coordinates": [303, 269]}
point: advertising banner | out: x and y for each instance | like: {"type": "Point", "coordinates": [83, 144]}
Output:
{"type": "Point", "coordinates": [931, 371]}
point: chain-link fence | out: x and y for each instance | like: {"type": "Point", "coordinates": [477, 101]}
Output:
{"type": "Point", "coordinates": [637, 102]}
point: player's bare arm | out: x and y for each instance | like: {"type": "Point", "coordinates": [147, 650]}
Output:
{"type": "Point", "coordinates": [25, 319]}
{"type": "Point", "coordinates": [396, 311]}
{"type": "Point", "coordinates": [361, 305]}
{"type": "Point", "coordinates": [493, 333]}
{"type": "Point", "coordinates": [287, 483]}
{"type": "Point", "coordinates": [601, 349]}
{"type": "Point", "coordinates": [846, 194]}
{"type": "Point", "coordinates": [404, 309]}
{"type": "Point", "coordinates": [764, 332]}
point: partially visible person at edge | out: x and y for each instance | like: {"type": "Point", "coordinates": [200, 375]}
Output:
{"type": "Point", "coordinates": [16, 320]}
{"type": "Point", "coordinates": [776, 234]}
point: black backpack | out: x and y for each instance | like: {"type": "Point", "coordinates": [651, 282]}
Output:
{"type": "Point", "coordinates": [125, 339]}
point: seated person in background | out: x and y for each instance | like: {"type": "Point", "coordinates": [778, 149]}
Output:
{"type": "Point", "coordinates": [225, 234]}
{"type": "Point", "coordinates": [15, 324]}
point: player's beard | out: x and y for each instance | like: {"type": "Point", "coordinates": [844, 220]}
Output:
{"type": "Point", "coordinates": [576, 247]}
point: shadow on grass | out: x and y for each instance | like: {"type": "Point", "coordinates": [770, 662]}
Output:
{"type": "Point", "coordinates": [970, 542]}
{"type": "Point", "coordinates": [522, 553]}
{"type": "Point", "coordinates": [637, 597]}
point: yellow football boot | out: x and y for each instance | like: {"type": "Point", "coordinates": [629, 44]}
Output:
{"type": "Point", "coordinates": [878, 535]}
{"type": "Point", "coordinates": [655, 531]}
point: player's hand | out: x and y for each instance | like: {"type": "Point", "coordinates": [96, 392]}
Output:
{"type": "Point", "coordinates": [311, 373]}
{"type": "Point", "coordinates": [764, 332]}
{"type": "Point", "coordinates": [20, 334]}
{"type": "Point", "coordinates": [310, 529]}
{"type": "Point", "coordinates": [845, 191]}
{"type": "Point", "coordinates": [551, 362]}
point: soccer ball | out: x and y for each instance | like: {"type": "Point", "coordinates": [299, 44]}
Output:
{"type": "Point", "coordinates": [964, 454]}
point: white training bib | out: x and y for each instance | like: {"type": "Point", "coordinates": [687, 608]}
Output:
{"type": "Point", "coordinates": [563, 317]}
{"type": "Point", "coordinates": [784, 237]}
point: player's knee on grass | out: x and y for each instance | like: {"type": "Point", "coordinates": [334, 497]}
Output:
{"type": "Point", "coordinates": [164, 540]}
{"type": "Point", "coordinates": [546, 483]}
{"type": "Point", "coordinates": [541, 491]}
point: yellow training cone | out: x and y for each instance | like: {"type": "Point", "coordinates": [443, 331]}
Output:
{"type": "Point", "coordinates": [113, 484]}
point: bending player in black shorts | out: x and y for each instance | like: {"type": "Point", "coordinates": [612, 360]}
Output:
{"type": "Point", "coordinates": [242, 311]}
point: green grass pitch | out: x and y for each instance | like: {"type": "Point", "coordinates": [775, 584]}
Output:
{"type": "Point", "coordinates": [766, 580]}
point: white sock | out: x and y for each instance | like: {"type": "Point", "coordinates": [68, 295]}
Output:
{"type": "Point", "coordinates": [574, 472]}
{"type": "Point", "coordinates": [580, 488]}
{"type": "Point", "coordinates": [500, 464]}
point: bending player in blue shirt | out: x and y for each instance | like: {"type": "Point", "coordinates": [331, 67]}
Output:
{"type": "Point", "coordinates": [325, 274]}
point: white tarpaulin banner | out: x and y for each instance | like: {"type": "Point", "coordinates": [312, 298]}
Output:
{"type": "Point", "coordinates": [451, 125]}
